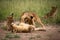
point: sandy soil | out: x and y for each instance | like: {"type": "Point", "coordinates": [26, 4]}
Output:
{"type": "Point", "coordinates": [52, 33]}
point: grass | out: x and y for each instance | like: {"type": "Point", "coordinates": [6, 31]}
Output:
{"type": "Point", "coordinates": [4, 27]}
{"type": "Point", "coordinates": [10, 35]}
{"type": "Point", "coordinates": [41, 7]}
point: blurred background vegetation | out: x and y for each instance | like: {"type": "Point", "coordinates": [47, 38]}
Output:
{"type": "Point", "coordinates": [41, 7]}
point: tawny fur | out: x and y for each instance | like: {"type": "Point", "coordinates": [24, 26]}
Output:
{"type": "Point", "coordinates": [22, 27]}
{"type": "Point", "coordinates": [31, 18]}
{"type": "Point", "coordinates": [9, 21]}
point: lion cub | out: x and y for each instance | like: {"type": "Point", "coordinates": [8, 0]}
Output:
{"type": "Point", "coordinates": [22, 27]}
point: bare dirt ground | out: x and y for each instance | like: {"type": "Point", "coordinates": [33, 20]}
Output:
{"type": "Point", "coordinates": [52, 33]}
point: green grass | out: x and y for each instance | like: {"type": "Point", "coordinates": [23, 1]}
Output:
{"type": "Point", "coordinates": [4, 27]}
{"type": "Point", "coordinates": [41, 7]}
{"type": "Point", "coordinates": [10, 36]}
